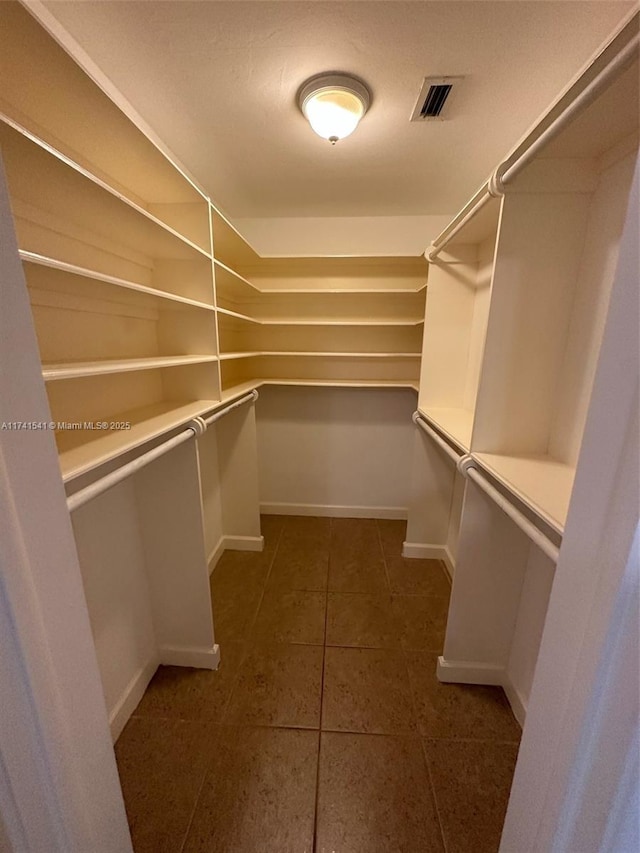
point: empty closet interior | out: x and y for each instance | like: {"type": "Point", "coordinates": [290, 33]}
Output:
{"type": "Point", "coordinates": [157, 321]}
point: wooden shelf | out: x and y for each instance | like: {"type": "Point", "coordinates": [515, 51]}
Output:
{"type": "Point", "coordinates": [38, 172]}
{"type": "Point", "coordinates": [303, 354]}
{"type": "Point", "coordinates": [541, 483]}
{"type": "Point", "coordinates": [321, 321]}
{"type": "Point", "coordinates": [61, 213]}
{"type": "Point", "coordinates": [241, 388]}
{"type": "Point", "coordinates": [75, 370]}
{"type": "Point", "coordinates": [119, 290]}
{"type": "Point", "coordinates": [346, 291]}
{"type": "Point", "coordinates": [83, 450]}
{"type": "Point", "coordinates": [229, 355]}
{"type": "Point", "coordinates": [45, 90]}
{"type": "Point", "coordinates": [345, 383]}
{"type": "Point", "coordinates": [230, 248]}
{"type": "Point", "coordinates": [456, 424]}
{"type": "Point", "coordinates": [232, 287]}
{"type": "Point", "coordinates": [354, 274]}
{"type": "Point", "coordinates": [235, 315]}
{"type": "Point", "coordinates": [456, 324]}
{"type": "Point", "coordinates": [331, 322]}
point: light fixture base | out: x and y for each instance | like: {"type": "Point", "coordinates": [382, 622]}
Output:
{"type": "Point", "coordinates": [334, 103]}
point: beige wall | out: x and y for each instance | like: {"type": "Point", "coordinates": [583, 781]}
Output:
{"type": "Point", "coordinates": [342, 235]}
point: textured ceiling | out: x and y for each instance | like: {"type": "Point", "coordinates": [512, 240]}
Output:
{"type": "Point", "coordinates": [217, 82]}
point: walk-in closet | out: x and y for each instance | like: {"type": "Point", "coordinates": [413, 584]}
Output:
{"type": "Point", "coordinates": [314, 550]}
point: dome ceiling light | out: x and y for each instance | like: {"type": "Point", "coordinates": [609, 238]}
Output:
{"type": "Point", "coordinates": [333, 104]}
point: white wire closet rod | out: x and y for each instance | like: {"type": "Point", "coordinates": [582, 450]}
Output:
{"type": "Point", "coordinates": [442, 444]}
{"type": "Point", "coordinates": [537, 536]}
{"type": "Point", "coordinates": [525, 151]}
{"type": "Point", "coordinates": [196, 427]}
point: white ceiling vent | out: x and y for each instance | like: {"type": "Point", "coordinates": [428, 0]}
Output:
{"type": "Point", "coordinates": [433, 96]}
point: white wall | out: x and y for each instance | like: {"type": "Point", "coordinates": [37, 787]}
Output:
{"type": "Point", "coordinates": [211, 498]}
{"type": "Point", "coordinates": [335, 450]}
{"type": "Point", "coordinates": [527, 633]}
{"type": "Point", "coordinates": [114, 574]}
{"type": "Point", "coordinates": [342, 235]}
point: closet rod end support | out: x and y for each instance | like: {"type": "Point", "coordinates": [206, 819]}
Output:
{"type": "Point", "coordinates": [465, 463]}
{"type": "Point", "coordinates": [198, 425]}
{"type": "Point", "coordinates": [496, 186]}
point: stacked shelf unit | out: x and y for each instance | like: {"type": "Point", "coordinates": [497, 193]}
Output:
{"type": "Point", "coordinates": [562, 220]}
{"type": "Point", "coordinates": [138, 323]}
{"type": "Point", "coordinates": [116, 248]}
{"type": "Point", "coordinates": [457, 312]}
{"type": "Point", "coordinates": [142, 329]}
{"type": "Point", "coordinates": [518, 294]}
{"type": "Point", "coordinates": [349, 321]}
{"type": "Point", "coordinates": [519, 288]}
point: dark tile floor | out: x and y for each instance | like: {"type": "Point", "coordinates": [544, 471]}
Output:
{"type": "Point", "coordinates": [325, 729]}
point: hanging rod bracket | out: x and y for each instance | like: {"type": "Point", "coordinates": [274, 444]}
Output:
{"type": "Point", "coordinates": [198, 425]}
{"type": "Point", "coordinates": [464, 463]}
{"type": "Point", "coordinates": [495, 185]}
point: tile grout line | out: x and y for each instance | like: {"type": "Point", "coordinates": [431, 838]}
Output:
{"type": "Point", "coordinates": [384, 558]}
{"type": "Point", "coordinates": [415, 710]}
{"type": "Point", "coordinates": [247, 640]}
{"type": "Point", "coordinates": [324, 657]}
{"type": "Point", "coordinates": [226, 704]}
{"type": "Point", "coordinates": [432, 789]}
{"type": "Point", "coordinates": [193, 810]}
{"type": "Point", "coordinates": [434, 799]}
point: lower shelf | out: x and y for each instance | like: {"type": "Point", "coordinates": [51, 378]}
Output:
{"type": "Point", "coordinates": [84, 449]}
{"type": "Point", "coordinates": [456, 424]}
{"type": "Point", "coordinates": [541, 483]}
{"type": "Point", "coordinates": [237, 390]}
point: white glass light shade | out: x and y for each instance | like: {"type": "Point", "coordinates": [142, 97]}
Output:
{"type": "Point", "coordinates": [333, 105]}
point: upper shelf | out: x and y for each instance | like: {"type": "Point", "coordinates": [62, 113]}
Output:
{"type": "Point", "coordinates": [338, 275]}
{"type": "Point", "coordinates": [229, 246]}
{"type": "Point", "coordinates": [46, 187]}
{"type": "Point", "coordinates": [81, 120]}
{"type": "Point", "coordinates": [319, 321]}
{"type": "Point", "coordinates": [78, 369]}
{"type": "Point", "coordinates": [52, 274]}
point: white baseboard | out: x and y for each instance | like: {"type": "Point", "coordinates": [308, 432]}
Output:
{"type": "Point", "coordinates": [243, 543]}
{"type": "Point", "coordinates": [334, 511]}
{"type": "Point", "coordinates": [450, 563]}
{"type": "Point", "coordinates": [473, 672]}
{"type": "Point", "coordinates": [216, 553]}
{"type": "Point", "coordinates": [469, 672]}
{"type": "Point", "coordinates": [424, 551]}
{"type": "Point", "coordinates": [516, 700]}
{"type": "Point", "coordinates": [207, 658]}
{"type": "Point", "coordinates": [132, 694]}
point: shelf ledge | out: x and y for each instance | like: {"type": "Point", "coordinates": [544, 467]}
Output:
{"type": "Point", "coordinates": [165, 295]}
{"type": "Point", "coordinates": [78, 369]}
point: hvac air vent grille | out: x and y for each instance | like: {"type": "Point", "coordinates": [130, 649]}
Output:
{"type": "Point", "coordinates": [432, 98]}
